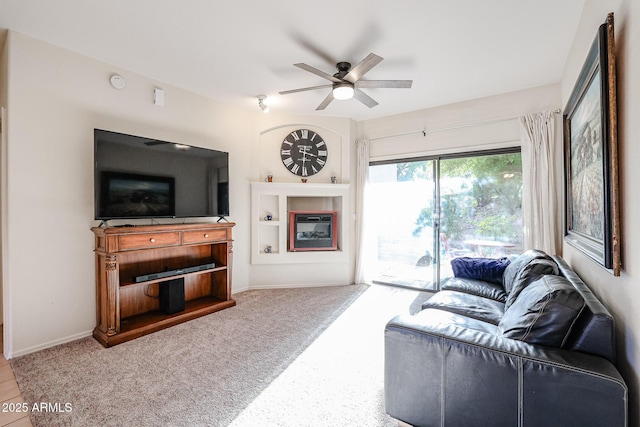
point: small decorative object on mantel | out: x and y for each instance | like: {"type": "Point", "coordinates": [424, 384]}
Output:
{"type": "Point", "coordinates": [267, 250]}
{"type": "Point", "coordinates": [269, 178]}
{"type": "Point", "coordinates": [268, 217]}
{"type": "Point", "coordinates": [304, 180]}
{"type": "Point", "coordinates": [334, 179]}
{"type": "Point", "coordinates": [592, 216]}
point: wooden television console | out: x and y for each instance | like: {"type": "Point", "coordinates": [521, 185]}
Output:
{"type": "Point", "coordinates": [126, 308]}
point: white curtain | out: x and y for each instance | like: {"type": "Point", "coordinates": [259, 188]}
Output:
{"type": "Point", "coordinates": [362, 179]}
{"type": "Point", "coordinates": [539, 196]}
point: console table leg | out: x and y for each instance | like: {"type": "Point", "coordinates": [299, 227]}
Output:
{"type": "Point", "coordinates": [113, 317]}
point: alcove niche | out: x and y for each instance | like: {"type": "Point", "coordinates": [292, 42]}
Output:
{"type": "Point", "coordinates": [270, 206]}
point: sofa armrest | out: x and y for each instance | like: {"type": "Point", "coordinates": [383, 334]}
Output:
{"type": "Point", "coordinates": [440, 371]}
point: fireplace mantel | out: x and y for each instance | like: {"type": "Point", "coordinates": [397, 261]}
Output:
{"type": "Point", "coordinates": [270, 204]}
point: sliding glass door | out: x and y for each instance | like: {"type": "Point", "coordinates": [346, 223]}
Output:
{"type": "Point", "coordinates": [426, 212]}
{"type": "Point", "coordinates": [400, 195]}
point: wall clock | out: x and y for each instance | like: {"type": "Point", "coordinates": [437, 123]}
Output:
{"type": "Point", "coordinates": [303, 152]}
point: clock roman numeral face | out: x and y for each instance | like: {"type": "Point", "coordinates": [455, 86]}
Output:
{"type": "Point", "coordinates": [303, 152]}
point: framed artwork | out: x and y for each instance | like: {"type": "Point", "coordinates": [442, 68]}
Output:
{"type": "Point", "coordinates": [591, 156]}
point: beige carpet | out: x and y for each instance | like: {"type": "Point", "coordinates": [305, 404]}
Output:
{"type": "Point", "coordinates": [282, 357]}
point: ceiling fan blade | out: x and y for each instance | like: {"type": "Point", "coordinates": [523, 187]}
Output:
{"type": "Point", "coordinates": [317, 72]}
{"type": "Point", "coordinates": [363, 67]}
{"type": "Point", "coordinates": [364, 98]}
{"type": "Point", "coordinates": [325, 102]}
{"type": "Point", "coordinates": [396, 84]}
{"type": "Point", "coordinates": [286, 92]}
{"type": "Point", "coordinates": [313, 48]}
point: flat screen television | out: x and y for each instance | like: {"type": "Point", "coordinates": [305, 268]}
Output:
{"type": "Point", "coordinates": [137, 177]}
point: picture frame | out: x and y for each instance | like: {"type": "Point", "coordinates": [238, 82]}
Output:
{"type": "Point", "coordinates": [592, 218]}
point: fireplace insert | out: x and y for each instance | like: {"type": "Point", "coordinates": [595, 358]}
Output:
{"type": "Point", "coordinates": [313, 231]}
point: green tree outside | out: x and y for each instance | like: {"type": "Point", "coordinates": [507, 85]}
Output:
{"type": "Point", "coordinates": [484, 203]}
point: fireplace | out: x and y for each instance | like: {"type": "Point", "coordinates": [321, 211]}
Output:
{"type": "Point", "coordinates": [313, 231]}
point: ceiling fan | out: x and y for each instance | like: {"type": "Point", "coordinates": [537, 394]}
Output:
{"type": "Point", "coordinates": [346, 82]}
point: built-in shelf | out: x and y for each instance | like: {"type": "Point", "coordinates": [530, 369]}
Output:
{"type": "Point", "coordinates": [277, 199]}
{"type": "Point", "coordinates": [270, 223]}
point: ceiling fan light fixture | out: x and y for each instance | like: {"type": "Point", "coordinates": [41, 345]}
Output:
{"type": "Point", "coordinates": [343, 91]}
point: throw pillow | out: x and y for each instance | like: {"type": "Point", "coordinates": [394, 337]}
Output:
{"type": "Point", "coordinates": [486, 269]}
{"type": "Point", "coordinates": [544, 313]}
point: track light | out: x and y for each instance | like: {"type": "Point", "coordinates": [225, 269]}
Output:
{"type": "Point", "coordinates": [261, 103]}
{"type": "Point", "coordinates": [343, 90]}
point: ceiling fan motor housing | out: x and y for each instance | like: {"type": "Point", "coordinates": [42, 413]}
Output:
{"type": "Point", "coordinates": [343, 70]}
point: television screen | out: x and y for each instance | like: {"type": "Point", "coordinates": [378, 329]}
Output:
{"type": "Point", "coordinates": [138, 177]}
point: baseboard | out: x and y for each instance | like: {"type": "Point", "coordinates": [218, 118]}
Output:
{"type": "Point", "coordinates": [236, 290]}
{"type": "Point", "coordinates": [291, 286]}
{"type": "Point", "coordinates": [49, 344]}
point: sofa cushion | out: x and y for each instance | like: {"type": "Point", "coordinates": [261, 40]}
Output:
{"type": "Point", "coordinates": [523, 270]}
{"type": "Point", "coordinates": [486, 269]}
{"type": "Point", "coordinates": [544, 313]}
{"type": "Point", "coordinates": [484, 309]}
{"type": "Point", "coordinates": [475, 287]}
{"type": "Point", "coordinates": [446, 319]}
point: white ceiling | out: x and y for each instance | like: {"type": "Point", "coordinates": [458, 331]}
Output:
{"type": "Point", "coordinates": [232, 51]}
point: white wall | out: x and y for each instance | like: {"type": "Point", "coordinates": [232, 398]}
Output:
{"type": "Point", "coordinates": [620, 294]}
{"type": "Point", "coordinates": [401, 136]}
{"type": "Point", "coordinates": [339, 134]}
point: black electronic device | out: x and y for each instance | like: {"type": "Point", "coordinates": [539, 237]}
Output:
{"type": "Point", "coordinates": [136, 177]}
{"type": "Point", "coordinates": [175, 272]}
{"type": "Point", "coordinates": [172, 296]}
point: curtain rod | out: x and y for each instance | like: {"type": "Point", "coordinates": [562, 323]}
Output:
{"type": "Point", "coordinates": [424, 132]}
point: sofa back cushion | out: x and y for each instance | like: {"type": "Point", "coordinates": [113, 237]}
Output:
{"type": "Point", "coordinates": [523, 270]}
{"type": "Point", "coordinates": [544, 313]}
